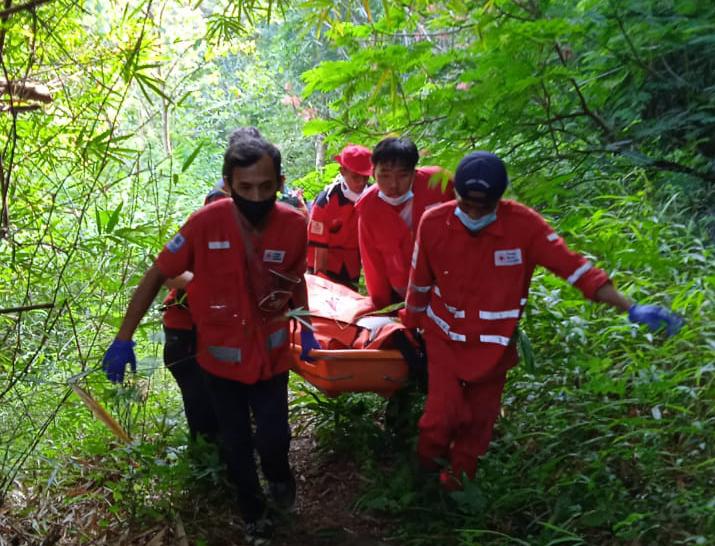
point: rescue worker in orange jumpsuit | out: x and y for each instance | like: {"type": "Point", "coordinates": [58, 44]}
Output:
{"type": "Point", "coordinates": [469, 282]}
{"type": "Point", "coordinates": [389, 213]}
{"type": "Point", "coordinates": [333, 228]}
{"type": "Point", "coordinates": [247, 256]}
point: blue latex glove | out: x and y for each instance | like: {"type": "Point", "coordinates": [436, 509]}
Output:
{"type": "Point", "coordinates": [115, 359]}
{"type": "Point", "coordinates": [307, 343]}
{"type": "Point", "coordinates": [655, 317]}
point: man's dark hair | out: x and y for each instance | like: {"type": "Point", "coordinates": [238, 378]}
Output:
{"type": "Point", "coordinates": [396, 151]}
{"type": "Point", "coordinates": [244, 132]}
{"type": "Point", "coordinates": [244, 152]}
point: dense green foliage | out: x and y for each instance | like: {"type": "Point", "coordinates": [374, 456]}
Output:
{"type": "Point", "coordinates": [603, 111]}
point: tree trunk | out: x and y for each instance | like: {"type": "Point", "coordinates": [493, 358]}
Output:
{"type": "Point", "coordinates": [320, 153]}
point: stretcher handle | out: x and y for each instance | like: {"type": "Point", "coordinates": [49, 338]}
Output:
{"type": "Point", "coordinates": [352, 354]}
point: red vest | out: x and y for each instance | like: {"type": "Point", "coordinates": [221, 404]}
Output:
{"type": "Point", "coordinates": [176, 305]}
{"type": "Point", "coordinates": [334, 226]}
{"type": "Point", "coordinates": [471, 289]}
{"type": "Point", "coordinates": [176, 311]}
{"type": "Point", "coordinates": [386, 239]}
{"type": "Point", "coordinates": [236, 339]}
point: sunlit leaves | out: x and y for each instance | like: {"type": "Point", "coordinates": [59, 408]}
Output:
{"type": "Point", "coordinates": [238, 17]}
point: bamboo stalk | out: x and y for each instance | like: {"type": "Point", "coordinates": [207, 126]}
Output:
{"type": "Point", "coordinates": [101, 414]}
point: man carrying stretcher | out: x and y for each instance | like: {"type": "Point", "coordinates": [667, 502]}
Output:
{"type": "Point", "coordinates": [469, 282]}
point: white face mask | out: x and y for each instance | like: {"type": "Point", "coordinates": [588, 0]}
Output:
{"type": "Point", "coordinates": [475, 225]}
{"type": "Point", "coordinates": [395, 201]}
{"type": "Point", "coordinates": [349, 194]}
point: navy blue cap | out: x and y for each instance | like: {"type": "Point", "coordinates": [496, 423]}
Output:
{"type": "Point", "coordinates": [483, 172]}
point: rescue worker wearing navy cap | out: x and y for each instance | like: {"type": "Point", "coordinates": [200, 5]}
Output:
{"type": "Point", "coordinates": [469, 281]}
{"type": "Point", "coordinates": [333, 249]}
{"type": "Point", "coordinates": [389, 214]}
{"type": "Point", "coordinates": [247, 255]}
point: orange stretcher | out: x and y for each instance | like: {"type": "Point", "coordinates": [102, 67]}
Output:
{"type": "Point", "coordinates": [358, 353]}
{"type": "Point", "coordinates": [335, 372]}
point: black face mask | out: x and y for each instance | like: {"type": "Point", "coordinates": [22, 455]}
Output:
{"type": "Point", "coordinates": [253, 211]}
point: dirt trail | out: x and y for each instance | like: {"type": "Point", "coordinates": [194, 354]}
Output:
{"type": "Point", "coordinates": [324, 513]}
{"type": "Point", "coordinates": [324, 516]}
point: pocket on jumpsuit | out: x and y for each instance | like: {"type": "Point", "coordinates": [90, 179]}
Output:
{"type": "Point", "coordinates": [223, 330]}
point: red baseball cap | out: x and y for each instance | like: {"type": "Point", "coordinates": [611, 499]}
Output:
{"type": "Point", "coordinates": [356, 158]}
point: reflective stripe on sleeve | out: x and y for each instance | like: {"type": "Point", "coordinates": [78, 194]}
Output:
{"type": "Point", "coordinates": [437, 291]}
{"type": "Point", "coordinates": [499, 340]}
{"type": "Point", "coordinates": [225, 354]}
{"type": "Point", "coordinates": [552, 237]}
{"type": "Point", "coordinates": [498, 315]}
{"type": "Point", "coordinates": [454, 336]}
{"type": "Point", "coordinates": [456, 313]}
{"type": "Point", "coordinates": [415, 309]}
{"type": "Point", "coordinates": [421, 289]}
{"type": "Point", "coordinates": [576, 275]}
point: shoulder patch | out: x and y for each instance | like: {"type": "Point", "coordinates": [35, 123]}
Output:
{"type": "Point", "coordinates": [176, 243]}
{"type": "Point", "coordinates": [317, 228]}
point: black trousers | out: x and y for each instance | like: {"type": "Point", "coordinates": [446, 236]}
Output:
{"type": "Point", "coordinates": [180, 359]}
{"type": "Point", "coordinates": [234, 403]}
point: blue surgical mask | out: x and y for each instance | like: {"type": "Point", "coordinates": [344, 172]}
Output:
{"type": "Point", "coordinates": [475, 225]}
{"type": "Point", "coordinates": [395, 201]}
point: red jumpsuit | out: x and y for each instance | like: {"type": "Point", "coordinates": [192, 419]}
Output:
{"type": "Point", "coordinates": [237, 340]}
{"type": "Point", "coordinates": [386, 235]}
{"type": "Point", "coordinates": [467, 291]}
{"type": "Point", "coordinates": [334, 226]}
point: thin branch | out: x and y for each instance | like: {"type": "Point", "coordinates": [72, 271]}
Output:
{"type": "Point", "coordinates": [628, 40]}
{"type": "Point", "coordinates": [8, 11]}
{"type": "Point", "coordinates": [584, 105]}
{"type": "Point", "coordinates": [26, 308]}
{"type": "Point", "coordinates": [17, 108]}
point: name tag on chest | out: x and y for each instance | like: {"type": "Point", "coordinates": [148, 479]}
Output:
{"type": "Point", "coordinates": [219, 245]}
{"type": "Point", "coordinates": [274, 256]}
{"type": "Point", "coordinates": [507, 257]}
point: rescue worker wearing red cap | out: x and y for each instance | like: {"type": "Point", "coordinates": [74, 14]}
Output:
{"type": "Point", "coordinates": [333, 227]}
{"type": "Point", "coordinates": [469, 282]}
{"type": "Point", "coordinates": [389, 213]}
{"type": "Point", "coordinates": [248, 259]}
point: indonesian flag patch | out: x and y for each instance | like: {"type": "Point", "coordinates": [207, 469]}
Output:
{"type": "Point", "coordinates": [274, 256]}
